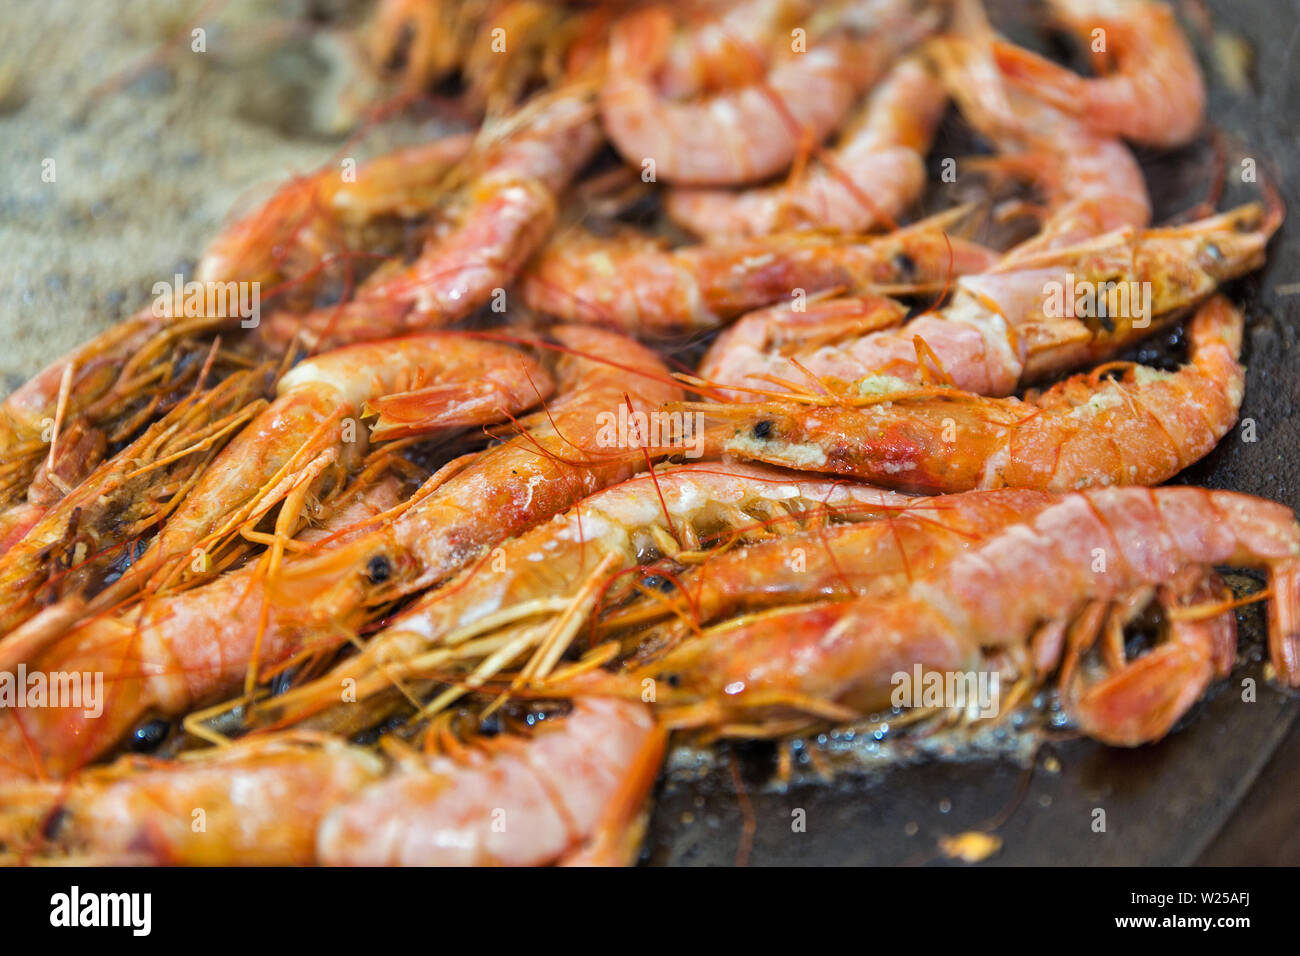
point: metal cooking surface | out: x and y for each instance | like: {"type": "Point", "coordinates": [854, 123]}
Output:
{"type": "Point", "coordinates": [1162, 803]}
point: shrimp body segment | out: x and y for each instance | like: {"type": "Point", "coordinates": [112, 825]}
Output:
{"type": "Point", "coordinates": [995, 595]}
{"type": "Point", "coordinates": [565, 795]}
{"type": "Point", "coordinates": [875, 172]}
{"type": "Point", "coordinates": [1086, 431]}
{"type": "Point", "coordinates": [639, 287]}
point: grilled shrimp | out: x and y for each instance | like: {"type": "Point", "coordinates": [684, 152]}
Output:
{"type": "Point", "coordinates": [491, 225]}
{"type": "Point", "coordinates": [1092, 183]}
{"type": "Point", "coordinates": [75, 540]}
{"type": "Point", "coordinates": [416, 385]}
{"type": "Point", "coordinates": [571, 791]}
{"type": "Point", "coordinates": [876, 170]}
{"type": "Point", "coordinates": [635, 285]}
{"type": "Point", "coordinates": [1155, 94]}
{"type": "Point", "coordinates": [841, 659]}
{"type": "Point", "coordinates": [163, 656]}
{"type": "Point", "coordinates": [1089, 430]}
{"type": "Point", "coordinates": [555, 576]}
{"type": "Point", "coordinates": [736, 135]}
{"type": "Point", "coordinates": [261, 801]}
{"type": "Point", "coordinates": [570, 794]}
{"type": "Point", "coordinates": [177, 651]}
{"type": "Point", "coordinates": [1014, 324]}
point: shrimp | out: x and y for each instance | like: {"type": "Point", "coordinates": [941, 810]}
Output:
{"type": "Point", "coordinates": [178, 651]}
{"type": "Point", "coordinates": [554, 576]}
{"type": "Point", "coordinates": [877, 555]}
{"type": "Point", "coordinates": [1005, 328]}
{"type": "Point", "coordinates": [293, 449]}
{"type": "Point", "coordinates": [1140, 429]}
{"type": "Point", "coordinates": [746, 133]}
{"type": "Point", "coordinates": [74, 541]}
{"type": "Point", "coordinates": [491, 225]}
{"type": "Point", "coordinates": [876, 170]}
{"type": "Point", "coordinates": [262, 801]}
{"type": "Point", "coordinates": [312, 217]}
{"type": "Point", "coordinates": [840, 660]}
{"type": "Point", "coordinates": [1155, 95]}
{"type": "Point", "coordinates": [1093, 183]}
{"type": "Point", "coordinates": [571, 791]}
{"type": "Point", "coordinates": [570, 794]}
{"type": "Point", "coordinates": [637, 286]}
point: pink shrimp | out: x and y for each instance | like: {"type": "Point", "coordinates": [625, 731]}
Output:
{"type": "Point", "coordinates": [1083, 432]}
{"type": "Point", "coordinates": [637, 286]}
{"type": "Point", "coordinates": [1155, 94]}
{"type": "Point", "coordinates": [842, 659]}
{"type": "Point", "coordinates": [750, 132]}
{"type": "Point", "coordinates": [876, 170]}
{"type": "Point", "coordinates": [493, 224]}
{"type": "Point", "coordinates": [571, 794]}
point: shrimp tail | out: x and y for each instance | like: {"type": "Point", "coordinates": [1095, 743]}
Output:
{"type": "Point", "coordinates": [1284, 622]}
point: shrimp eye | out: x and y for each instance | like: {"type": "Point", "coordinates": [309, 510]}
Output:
{"type": "Point", "coordinates": [764, 428]}
{"type": "Point", "coordinates": [905, 265]}
{"type": "Point", "coordinates": [150, 735]}
{"type": "Point", "coordinates": [54, 823]}
{"type": "Point", "coordinates": [378, 569]}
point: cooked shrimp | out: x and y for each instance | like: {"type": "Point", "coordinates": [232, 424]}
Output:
{"type": "Point", "coordinates": [422, 384]}
{"type": "Point", "coordinates": [1005, 328]}
{"type": "Point", "coordinates": [876, 170]}
{"type": "Point", "coordinates": [163, 656]}
{"type": "Point", "coordinates": [1092, 183]}
{"type": "Point", "coordinates": [637, 286]}
{"type": "Point", "coordinates": [1140, 429]}
{"type": "Point", "coordinates": [261, 803]}
{"type": "Point", "coordinates": [73, 542]}
{"type": "Point", "coordinates": [175, 652]}
{"type": "Point", "coordinates": [738, 135]}
{"type": "Point", "coordinates": [571, 793]}
{"type": "Point", "coordinates": [839, 660]}
{"type": "Point", "coordinates": [1155, 94]}
{"type": "Point", "coordinates": [312, 217]}
{"type": "Point", "coordinates": [557, 573]}
{"type": "Point", "coordinates": [491, 225]}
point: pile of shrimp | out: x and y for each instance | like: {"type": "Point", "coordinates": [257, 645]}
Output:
{"type": "Point", "coordinates": [434, 562]}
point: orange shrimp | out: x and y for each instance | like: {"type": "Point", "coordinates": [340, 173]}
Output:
{"type": "Point", "coordinates": [180, 650]}
{"type": "Point", "coordinates": [554, 576]}
{"type": "Point", "coordinates": [490, 227]}
{"type": "Point", "coordinates": [1155, 94]}
{"type": "Point", "coordinates": [423, 384]}
{"type": "Point", "coordinates": [840, 660]}
{"type": "Point", "coordinates": [570, 794]}
{"type": "Point", "coordinates": [1085, 431]}
{"type": "Point", "coordinates": [311, 217]}
{"type": "Point", "coordinates": [1093, 183]}
{"type": "Point", "coordinates": [162, 656]}
{"type": "Point", "coordinates": [75, 540]}
{"type": "Point", "coordinates": [748, 132]}
{"type": "Point", "coordinates": [262, 801]}
{"type": "Point", "coordinates": [1004, 328]}
{"type": "Point", "coordinates": [635, 285]}
{"type": "Point", "coordinates": [571, 791]}
{"type": "Point", "coordinates": [876, 170]}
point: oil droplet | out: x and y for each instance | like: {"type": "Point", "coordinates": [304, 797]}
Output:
{"type": "Point", "coordinates": [970, 847]}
